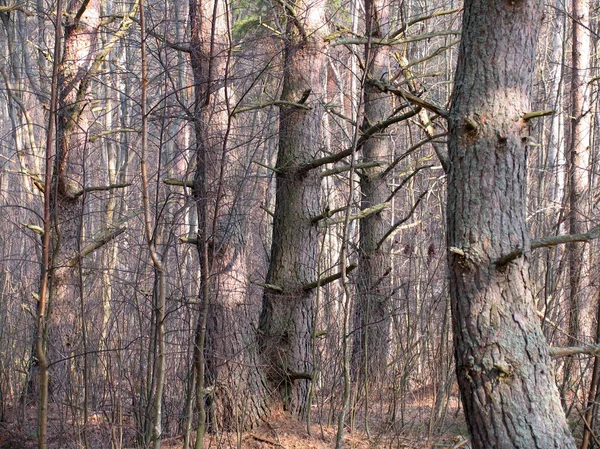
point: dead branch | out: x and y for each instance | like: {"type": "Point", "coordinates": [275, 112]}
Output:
{"type": "Point", "coordinates": [178, 182]}
{"type": "Point", "coordinates": [98, 242]}
{"type": "Point", "coordinates": [593, 350]}
{"type": "Point", "coordinates": [100, 189]}
{"type": "Point", "coordinates": [328, 279]}
{"type": "Point", "coordinates": [547, 242]}
{"type": "Point", "coordinates": [385, 87]}
{"type": "Point", "coordinates": [360, 215]}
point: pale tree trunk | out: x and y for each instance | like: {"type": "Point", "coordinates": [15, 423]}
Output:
{"type": "Point", "coordinates": [228, 374]}
{"type": "Point", "coordinates": [578, 160]}
{"type": "Point", "coordinates": [503, 368]}
{"type": "Point", "coordinates": [80, 39]}
{"type": "Point", "coordinates": [372, 315]}
{"type": "Point", "coordinates": [287, 318]}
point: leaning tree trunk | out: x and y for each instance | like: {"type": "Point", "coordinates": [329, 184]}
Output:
{"type": "Point", "coordinates": [226, 353]}
{"type": "Point", "coordinates": [287, 319]}
{"type": "Point", "coordinates": [502, 363]}
{"type": "Point", "coordinates": [372, 316]}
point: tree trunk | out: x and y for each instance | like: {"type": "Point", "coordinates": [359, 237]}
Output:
{"type": "Point", "coordinates": [287, 318]}
{"type": "Point", "coordinates": [578, 160]}
{"type": "Point", "coordinates": [80, 39]}
{"type": "Point", "coordinates": [503, 368]}
{"type": "Point", "coordinates": [372, 316]}
{"type": "Point", "coordinates": [230, 351]}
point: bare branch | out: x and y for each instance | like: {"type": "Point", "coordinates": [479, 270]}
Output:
{"type": "Point", "coordinates": [178, 182]}
{"type": "Point", "coordinates": [271, 103]}
{"type": "Point", "coordinates": [360, 215]}
{"type": "Point", "coordinates": [11, 8]}
{"type": "Point", "coordinates": [420, 37]}
{"type": "Point", "coordinates": [427, 124]}
{"type": "Point", "coordinates": [275, 288]}
{"type": "Point", "coordinates": [403, 220]}
{"type": "Point", "coordinates": [327, 214]}
{"type": "Point", "coordinates": [38, 230]}
{"type": "Point", "coordinates": [405, 26]}
{"type": "Point", "coordinates": [100, 189]}
{"type": "Point", "coordinates": [267, 167]}
{"type": "Point", "coordinates": [408, 152]}
{"type": "Point", "coordinates": [384, 87]}
{"type": "Point", "coordinates": [405, 180]}
{"type": "Point", "coordinates": [536, 114]}
{"type": "Point", "coordinates": [366, 134]}
{"type": "Point", "coordinates": [328, 279]}
{"type": "Point", "coordinates": [113, 131]}
{"type": "Point", "coordinates": [344, 168]}
{"type": "Point", "coordinates": [546, 242]}
{"type": "Point", "coordinates": [98, 242]}
{"type": "Point", "coordinates": [294, 17]}
{"type": "Point", "coordinates": [593, 350]}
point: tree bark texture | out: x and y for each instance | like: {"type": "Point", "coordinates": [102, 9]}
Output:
{"type": "Point", "coordinates": [372, 315]}
{"type": "Point", "coordinates": [237, 398]}
{"type": "Point", "coordinates": [504, 372]}
{"type": "Point", "coordinates": [80, 40]}
{"type": "Point", "coordinates": [287, 318]}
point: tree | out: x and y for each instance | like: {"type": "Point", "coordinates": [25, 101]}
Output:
{"type": "Point", "coordinates": [578, 155]}
{"type": "Point", "coordinates": [226, 352]}
{"type": "Point", "coordinates": [372, 317]}
{"type": "Point", "coordinates": [502, 362]}
{"type": "Point", "coordinates": [287, 319]}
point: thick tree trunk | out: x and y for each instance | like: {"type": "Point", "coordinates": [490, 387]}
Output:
{"type": "Point", "coordinates": [287, 318]}
{"type": "Point", "coordinates": [80, 39]}
{"type": "Point", "coordinates": [231, 368]}
{"type": "Point", "coordinates": [372, 316]}
{"type": "Point", "coordinates": [504, 372]}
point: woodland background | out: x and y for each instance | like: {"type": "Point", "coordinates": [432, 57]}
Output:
{"type": "Point", "coordinates": [246, 212]}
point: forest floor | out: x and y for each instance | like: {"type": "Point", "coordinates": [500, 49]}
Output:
{"type": "Point", "coordinates": [280, 432]}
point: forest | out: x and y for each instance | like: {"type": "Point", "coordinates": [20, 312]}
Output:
{"type": "Point", "coordinates": [299, 224]}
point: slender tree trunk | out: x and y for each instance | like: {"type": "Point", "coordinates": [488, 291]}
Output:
{"type": "Point", "coordinates": [44, 294]}
{"type": "Point", "coordinates": [372, 316]}
{"type": "Point", "coordinates": [503, 368]}
{"type": "Point", "coordinates": [226, 354]}
{"type": "Point", "coordinates": [578, 160]}
{"type": "Point", "coordinates": [287, 318]}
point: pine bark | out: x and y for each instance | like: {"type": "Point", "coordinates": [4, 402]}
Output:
{"type": "Point", "coordinates": [232, 374]}
{"type": "Point", "coordinates": [372, 316]}
{"type": "Point", "coordinates": [287, 319]}
{"type": "Point", "coordinates": [80, 41]}
{"type": "Point", "coordinates": [502, 363]}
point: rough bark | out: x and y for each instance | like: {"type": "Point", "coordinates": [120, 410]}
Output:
{"type": "Point", "coordinates": [287, 318]}
{"type": "Point", "coordinates": [502, 363]}
{"type": "Point", "coordinates": [80, 39]}
{"type": "Point", "coordinates": [232, 373]}
{"type": "Point", "coordinates": [372, 317]}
